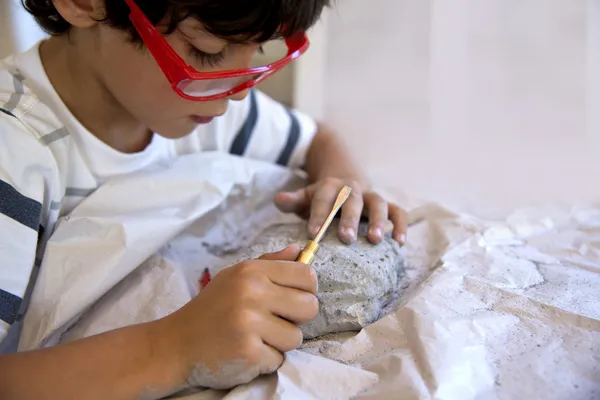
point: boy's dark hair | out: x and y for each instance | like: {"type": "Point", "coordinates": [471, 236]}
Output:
{"type": "Point", "coordinates": [258, 20]}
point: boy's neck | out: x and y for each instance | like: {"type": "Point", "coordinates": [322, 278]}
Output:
{"type": "Point", "coordinates": [83, 92]}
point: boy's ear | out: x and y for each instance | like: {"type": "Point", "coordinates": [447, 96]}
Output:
{"type": "Point", "coordinates": [81, 13]}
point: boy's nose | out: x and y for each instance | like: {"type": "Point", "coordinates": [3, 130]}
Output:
{"type": "Point", "coordinates": [240, 96]}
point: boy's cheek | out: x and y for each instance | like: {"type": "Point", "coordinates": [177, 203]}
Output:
{"type": "Point", "coordinates": [137, 83]}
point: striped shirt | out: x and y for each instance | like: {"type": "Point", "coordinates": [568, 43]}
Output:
{"type": "Point", "coordinates": [49, 163]}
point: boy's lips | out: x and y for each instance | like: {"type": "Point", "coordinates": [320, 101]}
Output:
{"type": "Point", "coordinates": [201, 120]}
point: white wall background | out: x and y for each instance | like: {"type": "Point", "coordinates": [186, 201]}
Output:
{"type": "Point", "coordinates": [486, 104]}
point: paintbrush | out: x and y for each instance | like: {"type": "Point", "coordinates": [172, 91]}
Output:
{"type": "Point", "coordinates": [307, 256]}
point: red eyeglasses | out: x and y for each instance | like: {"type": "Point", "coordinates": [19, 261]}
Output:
{"type": "Point", "coordinates": [205, 86]}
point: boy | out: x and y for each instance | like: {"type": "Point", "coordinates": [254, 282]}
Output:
{"type": "Point", "coordinates": [122, 85]}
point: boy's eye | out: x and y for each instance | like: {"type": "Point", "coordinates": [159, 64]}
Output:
{"type": "Point", "coordinates": [207, 59]}
{"type": "Point", "coordinates": [213, 59]}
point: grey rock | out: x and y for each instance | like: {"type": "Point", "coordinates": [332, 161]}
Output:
{"type": "Point", "coordinates": [356, 282]}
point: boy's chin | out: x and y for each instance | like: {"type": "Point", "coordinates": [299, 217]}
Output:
{"type": "Point", "coordinates": [176, 132]}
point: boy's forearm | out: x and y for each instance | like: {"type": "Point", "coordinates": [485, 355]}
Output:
{"type": "Point", "coordinates": [128, 363]}
{"type": "Point", "coordinates": [328, 157]}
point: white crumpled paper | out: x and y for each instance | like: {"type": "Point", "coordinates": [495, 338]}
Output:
{"type": "Point", "coordinates": [491, 310]}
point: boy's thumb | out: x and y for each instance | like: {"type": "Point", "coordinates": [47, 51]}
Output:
{"type": "Point", "coordinates": [290, 253]}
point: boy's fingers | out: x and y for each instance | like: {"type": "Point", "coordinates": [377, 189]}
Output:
{"type": "Point", "coordinates": [293, 202]}
{"type": "Point", "coordinates": [297, 306]}
{"type": "Point", "coordinates": [399, 219]}
{"type": "Point", "coordinates": [378, 215]}
{"type": "Point", "coordinates": [279, 333]}
{"type": "Point", "coordinates": [270, 359]}
{"type": "Point", "coordinates": [292, 275]}
{"type": "Point", "coordinates": [322, 202]}
{"type": "Point", "coordinates": [290, 253]}
{"type": "Point", "coordinates": [351, 212]}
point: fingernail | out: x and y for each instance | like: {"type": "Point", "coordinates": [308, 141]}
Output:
{"type": "Point", "coordinates": [350, 233]}
{"type": "Point", "coordinates": [402, 238]}
{"type": "Point", "coordinates": [376, 232]}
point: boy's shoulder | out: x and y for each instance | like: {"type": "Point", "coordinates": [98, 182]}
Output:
{"type": "Point", "coordinates": [16, 98]}
{"type": "Point", "coordinates": [28, 128]}
{"type": "Point", "coordinates": [21, 109]}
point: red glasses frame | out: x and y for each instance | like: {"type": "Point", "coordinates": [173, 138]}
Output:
{"type": "Point", "coordinates": [177, 71]}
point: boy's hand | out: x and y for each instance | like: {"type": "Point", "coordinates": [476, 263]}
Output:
{"type": "Point", "coordinates": [240, 325]}
{"type": "Point", "coordinates": [315, 202]}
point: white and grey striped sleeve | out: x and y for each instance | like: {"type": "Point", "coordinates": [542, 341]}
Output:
{"type": "Point", "coordinates": [261, 128]}
{"type": "Point", "coordinates": [22, 187]}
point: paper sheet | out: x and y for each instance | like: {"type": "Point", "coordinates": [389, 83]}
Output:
{"type": "Point", "coordinates": [492, 310]}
